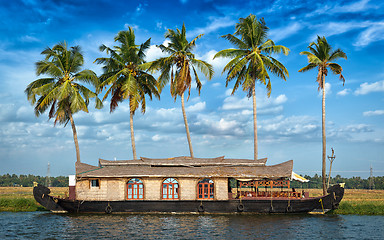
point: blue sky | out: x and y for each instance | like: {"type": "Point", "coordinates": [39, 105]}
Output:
{"type": "Point", "coordinates": [289, 122]}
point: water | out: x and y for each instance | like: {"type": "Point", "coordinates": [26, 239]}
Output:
{"type": "Point", "coordinates": [43, 225]}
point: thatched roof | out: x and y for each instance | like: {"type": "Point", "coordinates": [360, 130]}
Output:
{"type": "Point", "coordinates": [186, 167]}
{"type": "Point", "coordinates": [184, 162]}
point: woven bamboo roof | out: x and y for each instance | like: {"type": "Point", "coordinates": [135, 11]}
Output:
{"type": "Point", "coordinates": [186, 167]}
{"type": "Point", "coordinates": [184, 161]}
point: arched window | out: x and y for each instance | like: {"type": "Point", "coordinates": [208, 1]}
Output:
{"type": "Point", "coordinates": [135, 189]}
{"type": "Point", "coordinates": [170, 189]}
{"type": "Point", "coordinates": [205, 189]}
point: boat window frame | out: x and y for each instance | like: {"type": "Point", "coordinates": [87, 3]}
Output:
{"type": "Point", "coordinates": [176, 189]}
{"type": "Point", "coordinates": [138, 184]}
{"type": "Point", "coordinates": [210, 187]}
{"type": "Point", "coordinates": [98, 181]}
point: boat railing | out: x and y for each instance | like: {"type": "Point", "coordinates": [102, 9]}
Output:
{"type": "Point", "coordinates": [266, 194]}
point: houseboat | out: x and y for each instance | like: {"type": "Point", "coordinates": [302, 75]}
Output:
{"type": "Point", "coordinates": [185, 185]}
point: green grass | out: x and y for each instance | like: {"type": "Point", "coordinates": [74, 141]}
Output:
{"type": "Point", "coordinates": [20, 199]}
{"type": "Point", "coordinates": [19, 205]}
{"type": "Point", "coordinates": [360, 208]}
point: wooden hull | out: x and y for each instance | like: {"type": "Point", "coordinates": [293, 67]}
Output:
{"type": "Point", "coordinates": [259, 205]}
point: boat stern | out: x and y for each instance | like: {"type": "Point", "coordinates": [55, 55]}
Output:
{"type": "Point", "coordinates": [336, 193]}
{"type": "Point", "coordinates": [41, 195]}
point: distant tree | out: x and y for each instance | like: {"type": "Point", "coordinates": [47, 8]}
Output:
{"type": "Point", "coordinates": [177, 68]}
{"type": "Point", "coordinates": [322, 56]}
{"type": "Point", "coordinates": [125, 71]}
{"type": "Point", "coordinates": [61, 92]}
{"type": "Point", "coordinates": [252, 60]}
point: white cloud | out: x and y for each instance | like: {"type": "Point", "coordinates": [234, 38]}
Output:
{"type": "Point", "coordinates": [160, 26]}
{"type": "Point", "coordinates": [336, 8]}
{"type": "Point", "coordinates": [285, 32]}
{"type": "Point", "coordinates": [357, 128]}
{"type": "Point", "coordinates": [281, 99]}
{"type": "Point", "coordinates": [335, 28]}
{"type": "Point", "coordinates": [373, 113]}
{"type": "Point", "coordinates": [265, 105]}
{"type": "Point", "coordinates": [214, 24]}
{"type": "Point", "coordinates": [366, 88]}
{"type": "Point", "coordinates": [372, 34]}
{"type": "Point", "coordinates": [28, 38]}
{"type": "Point", "coordinates": [228, 92]}
{"type": "Point", "coordinates": [280, 126]}
{"type": "Point", "coordinates": [327, 88]}
{"type": "Point", "coordinates": [225, 125]}
{"type": "Point", "coordinates": [200, 106]}
{"type": "Point", "coordinates": [344, 92]}
{"type": "Point", "coordinates": [157, 138]}
{"type": "Point", "coordinates": [134, 26]}
{"type": "Point", "coordinates": [233, 103]}
{"type": "Point", "coordinates": [217, 63]}
{"type": "Point", "coordinates": [154, 52]}
{"type": "Point", "coordinates": [353, 7]}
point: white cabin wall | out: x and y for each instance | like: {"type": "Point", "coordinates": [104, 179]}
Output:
{"type": "Point", "coordinates": [221, 188]}
{"type": "Point", "coordinates": [109, 190]}
{"type": "Point", "coordinates": [152, 188]}
{"type": "Point", "coordinates": [84, 191]}
{"type": "Point", "coordinates": [115, 189]}
{"type": "Point", "coordinates": [187, 188]}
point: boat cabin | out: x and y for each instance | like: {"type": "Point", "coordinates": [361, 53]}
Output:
{"type": "Point", "coordinates": [182, 178]}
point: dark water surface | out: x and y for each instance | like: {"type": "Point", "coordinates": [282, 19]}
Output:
{"type": "Point", "coordinates": [42, 225]}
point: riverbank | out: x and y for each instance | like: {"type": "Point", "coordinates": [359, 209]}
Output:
{"type": "Point", "coordinates": [20, 199]}
{"type": "Point", "coordinates": [355, 201]}
{"type": "Point", "coordinates": [358, 201]}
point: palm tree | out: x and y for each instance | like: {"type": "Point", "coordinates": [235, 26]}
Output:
{"type": "Point", "coordinates": [178, 66]}
{"type": "Point", "coordinates": [62, 91]}
{"type": "Point", "coordinates": [321, 55]}
{"type": "Point", "coordinates": [125, 71]}
{"type": "Point", "coordinates": [251, 60]}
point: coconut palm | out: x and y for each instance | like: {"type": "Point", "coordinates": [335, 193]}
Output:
{"type": "Point", "coordinates": [321, 55]}
{"type": "Point", "coordinates": [177, 68]}
{"type": "Point", "coordinates": [125, 71]}
{"type": "Point", "coordinates": [252, 60]}
{"type": "Point", "coordinates": [61, 92]}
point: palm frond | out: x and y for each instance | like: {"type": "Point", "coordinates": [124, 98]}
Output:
{"type": "Point", "coordinates": [235, 41]}
{"type": "Point", "coordinates": [231, 53]}
{"type": "Point", "coordinates": [204, 67]}
{"type": "Point", "coordinates": [308, 67]}
{"type": "Point", "coordinates": [338, 53]}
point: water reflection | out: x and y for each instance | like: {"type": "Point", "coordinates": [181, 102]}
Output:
{"type": "Point", "coordinates": [51, 226]}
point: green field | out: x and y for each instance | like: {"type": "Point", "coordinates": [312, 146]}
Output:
{"type": "Point", "coordinates": [20, 199]}
{"type": "Point", "coordinates": [355, 201]}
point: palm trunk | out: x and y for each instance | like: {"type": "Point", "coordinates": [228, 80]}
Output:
{"type": "Point", "coordinates": [254, 123]}
{"type": "Point", "coordinates": [186, 125]}
{"type": "Point", "coordinates": [74, 137]}
{"type": "Point", "coordinates": [132, 135]}
{"type": "Point", "coordinates": [324, 139]}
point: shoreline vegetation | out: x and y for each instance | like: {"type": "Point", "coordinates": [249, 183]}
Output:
{"type": "Point", "coordinates": [355, 201]}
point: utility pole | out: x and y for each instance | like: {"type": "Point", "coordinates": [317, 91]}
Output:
{"type": "Point", "coordinates": [331, 159]}
{"type": "Point", "coordinates": [371, 179]}
{"type": "Point", "coordinates": [48, 177]}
